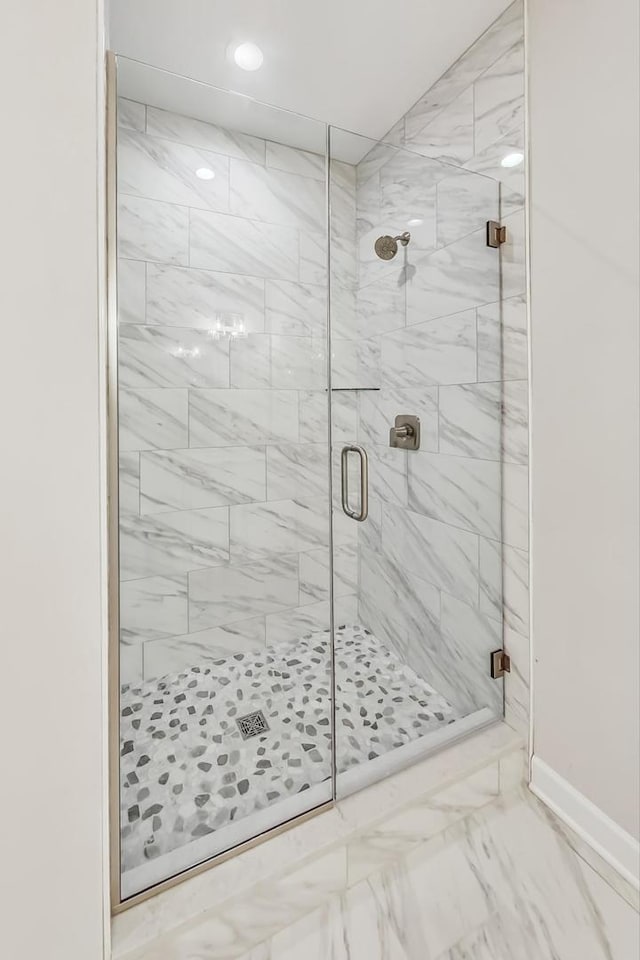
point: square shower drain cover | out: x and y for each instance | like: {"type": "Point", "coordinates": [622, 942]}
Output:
{"type": "Point", "coordinates": [252, 724]}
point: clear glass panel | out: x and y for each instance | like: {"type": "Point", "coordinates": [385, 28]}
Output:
{"type": "Point", "coordinates": [418, 582]}
{"type": "Point", "coordinates": [224, 515]}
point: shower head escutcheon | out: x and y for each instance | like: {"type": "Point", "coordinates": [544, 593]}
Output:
{"type": "Point", "coordinates": [387, 247]}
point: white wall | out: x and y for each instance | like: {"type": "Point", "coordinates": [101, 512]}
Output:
{"type": "Point", "coordinates": [51, 800]}
{"type": "Point", "coordinates": [584, 116]}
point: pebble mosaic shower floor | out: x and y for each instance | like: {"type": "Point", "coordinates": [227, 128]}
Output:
{"type": "Point", "coordinates": [187, 769]}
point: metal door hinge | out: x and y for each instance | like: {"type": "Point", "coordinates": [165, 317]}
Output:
{"type": "Point", "coordinates": [496, 233]}
{"type": "Point", "coordinates": [500, 664]}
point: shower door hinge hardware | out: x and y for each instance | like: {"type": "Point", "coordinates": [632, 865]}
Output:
{"type": "Point", "coordinates": [496, 233]}
{"type": "Point", "coordinates": [500, 664]}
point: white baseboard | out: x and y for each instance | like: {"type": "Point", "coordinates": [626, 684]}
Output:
{"type": "Point", "coordinates": [617, 847]}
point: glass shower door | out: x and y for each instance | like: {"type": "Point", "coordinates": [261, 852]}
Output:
{"type": "Point", "coordinates": [416, 370]}
{"type": "Point", "coordinates": [224, 518]}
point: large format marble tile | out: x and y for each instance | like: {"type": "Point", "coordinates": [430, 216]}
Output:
{"type": "Point", "coordinates": [165, 170]}
{"type": "Point", "coordinates": [184, 297]}
{"type": "Point", "coordinates": [131, 114]}
{"type": "Point", "coordinates": [499, 98]}
{"type": "Point", "coordinates": [298, 471]}
{"type": "Point", "coordinates": [456, 490]}
{"type": "Point", "coordinates": [150, 419]}
{"type": "Point", "coordinates": [237, 592]}
{"type": "Point", "coordinates": [298, 363]}
{"type": "Point", "coordinates": [380, 307]}
{"type": "Point", "coordinates": [219, 418]}
{"type": "Point", "coordinates": [158, 356]}
{"type": "Point", "coordinates": [516, 589]}
{"type": "Point", "coordinates": [315, 576]}
{"type": "Point", "coordinates": [470, 420]}
{"type": "Point", "coordinates": [502, 340]}
{"type": "Point", "coordinates": [469, 637]}
{"type": "Point", "coordinates": [175, 654]}
{"type": "Point", "coordinates": [438, 351]}
{"type": "Point", "coordinates": [454, 278]}
{"type": "Point", "coordinates": [129, 484]}
{"type": "Point", "coordinates": [296, 309]}
{"type": "Point", "coordinates": [278, 527]}
{"type": "Point", "coordinates": [292, 160]}
{"type": "Point", "coordinates": [515, 404]}
{"type": "Point", "coordinates": [440, 554]}
{"type": "Point", "coordinates": [235, 245]}
{"type": "Point", "coordinates": [171, 543]}
{"type": "Point", "coordinates": [131, 291]}
{"type": "Point", "coordinates": [152, 608]}
{"type": "Point", "coordinates": [448, 135]}
{"type": "Point", "coordinates": [206, 136]}
{"type": "Point", "coordinates": [464, 203]}
{"type": "Point", "coordinates": [312, 257]}
{"type": "Point", "coordinates": [355, 364]}
{"type": "Point", "coordinates": [488, 162]}
{"type": "Point", "coordinates": [151, 230]}
{"type": "Point", "coordinates": [189, 479]}
{"type": "Point", "coordinates": [273, 196]}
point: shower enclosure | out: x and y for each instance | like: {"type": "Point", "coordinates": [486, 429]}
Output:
{"type": "Point", "coordinates": [306, 496]}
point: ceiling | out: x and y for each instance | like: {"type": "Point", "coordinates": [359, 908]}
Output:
{"type": "Point", "coordinates": [358, 64]}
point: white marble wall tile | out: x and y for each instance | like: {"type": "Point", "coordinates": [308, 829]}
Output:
{"type": "Point", "coordinates": [502, 340]}
{"type": "Point", "coordinates": [387, 475]}
{"type": "Point", "coordinates": [499, 98]}
{"type": "Point", "coordinates": [155, 356]}
{"type": "Point", "coordinates": [517, 682]}
{"type": "Point", "coordinates": [500, 37]}
{"type": "Point", "coordinates": [312, 258]}
{"type": "Point", "coordinates": [291, 160]}
{"type": "Point", "coordinates": [298, 363]}
{"type": "Point", "coordinates": [179, 297]}
{"type": "Point", "coordinates": [152, 608]}
{"type": "Point", "coordinates": [442, 555]}
{"type": "Point", "coordinates": [129, 484]}
{"type": "Point", "coordinates": [464, 204]}
{"type": "Point", "coordinates": [151, 230]}
{"type": "Point", "coordinates": [172, 543]}
{"type": "Point", "coordinates": [437, 351]}
{"type": "Point", "coordinates": [202, 648]}
{"type": "Point", "coordinates": [131, 114]}
{"type": "Point", "coordinates": [207, 136]}
{"type": "Point", "coordinates": [314, 415]}
{"type": "Point", "coordinates": [190, 479]}
{"type": "Point", "coordinates": [491, 599]}
{"type": "Point", "coordinates": [515, 415]}
{"type": "Point", "coordinates": [513, 256]}
{"type": "Point", "coordinates": [470, 637]}
{"type": "Point", "coordinates": [452, 279]}
{"type": "Point", "coordinates": [448, 136]}
{"type": "Point", "coordinates": [295, 309]}
{"type": "Point", "coordinates": [277, 527]}
{"type": "Point", "coordinates": [298, 471]}
{"type": "Point", "coordinates": [292, 624]}
{"type": "Point", "coordinates": [470, 420]}
{"type": "Point", "coordinates": [380, 307]}
{"type": "Point", "coordinates": [456, 490]}
{"type": "Point", "coordinates": [355, 363]}
{"type": "Point", "coordinates": [314, 573]}
{"type": "Point", "coordinates": [130, 663]}
{"type": "Point", "coordinates": [378, 410]}
{"type": "Point", "coordinates": [218, 418]}
{"type": "Point", "coordinates": [164, 170]}
{"type": "Point", "coordinates": [149, 419]}
{"type": "Point", "coordinates": [231, 593]}
{"type": "Point", "coordinates": [516, 589]}
{"type": "Point", "coordinates": [234, 245]}
{"type": "Point", "coordinates": [344, 320]}
{"type": "Point", "coordinates": [344, 415]}
{"type": "Point", "coordinates": [260, 193]}
{"type": "Point", "coordinates": [131, 291]}
{"type": "Point", "coordinates": [515, 505]}
{"type": "Point", "coordinates": [512, 179]}
{"type": "Point", "coordinates": [250, 362]}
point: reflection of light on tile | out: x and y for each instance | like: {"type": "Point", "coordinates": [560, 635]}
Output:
{"type": "Point", "coordinates": [205, 173]}
{"type": "Point", "coordinates": [187, 351]}
{"type": "Point", "coordinates": [512, 160]}
{"type": "Point", "coordinates": [415, 222]}
{"type": "Point", "coordinates": [229, 326]}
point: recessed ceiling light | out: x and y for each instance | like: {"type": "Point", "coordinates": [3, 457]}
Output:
{"type": "Point", "coordinates": [205, 173]}
{"type": "Point", "coordinates": [415, 222]}
{"type": "Point", "coordinates": [512, 159]}
{"type": "Point", "coordinates": [248, 56]}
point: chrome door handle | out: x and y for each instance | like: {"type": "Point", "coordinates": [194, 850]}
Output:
{"type": "Point", "coordinates": [363, 513]}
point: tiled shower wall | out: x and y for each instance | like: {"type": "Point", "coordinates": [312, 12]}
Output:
{"type": "Point", "coordinates": [444, 543]}
{"type": "Point", "coordinates": [223, 443]}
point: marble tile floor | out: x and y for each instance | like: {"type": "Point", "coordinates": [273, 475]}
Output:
{"type": "Point", "coordinates": [187, 771]}
{"type": "Point", "coordinates": [504, 882]}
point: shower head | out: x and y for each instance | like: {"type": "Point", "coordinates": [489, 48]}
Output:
{"type": "Point", "coordinates": [387, 247]}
